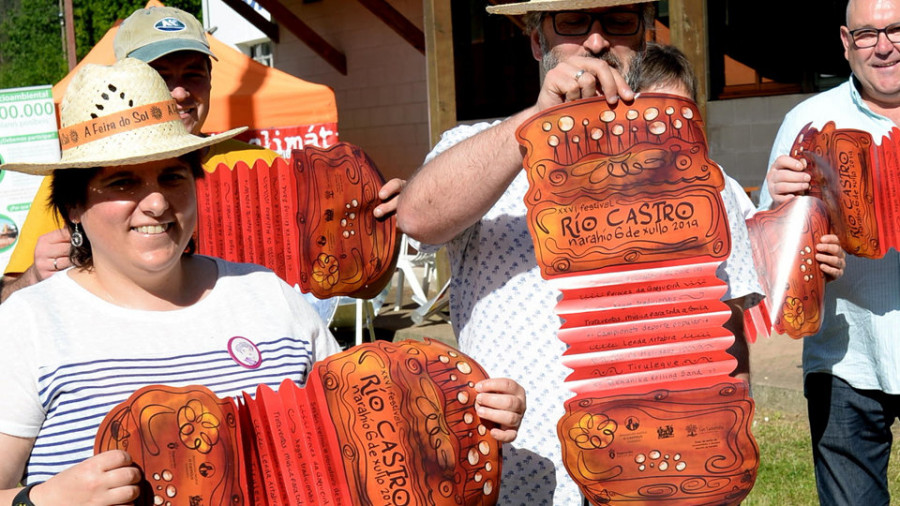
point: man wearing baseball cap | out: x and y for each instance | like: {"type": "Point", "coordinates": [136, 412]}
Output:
{"type": "Point", "coordinates": [174, 43]}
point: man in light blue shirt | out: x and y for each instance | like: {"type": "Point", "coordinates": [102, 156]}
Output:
{"type": "Point", "coordinates": [852, 367]}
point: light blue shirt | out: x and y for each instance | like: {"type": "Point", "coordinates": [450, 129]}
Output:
{"type": "Point", "coordinates": [860, 337]}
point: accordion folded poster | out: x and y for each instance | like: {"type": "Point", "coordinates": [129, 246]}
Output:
{"type": "Point", "coordinates": [854, 193]}
{"type": "Point", "coordinates": [379, 424]}
{"type": "Point", "coordinates": [784, 242]}
{"type": "Point", "coordinates": [628, 223]}
{"type": "Point", "coordinates": [859, 183]}
{"type": "Point", "coordinates": [310, 220]}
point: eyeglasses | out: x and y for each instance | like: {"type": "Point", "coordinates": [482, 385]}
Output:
{"type": "Point", "coordinates": [616, 23]}
{"type": "Point", "coordinates": [864, 38]}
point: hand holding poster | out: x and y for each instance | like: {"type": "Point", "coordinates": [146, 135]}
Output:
{"type": "Point", "coordinates": [854, 193]}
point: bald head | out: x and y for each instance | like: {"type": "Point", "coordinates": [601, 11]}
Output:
{"type": "Point", "coordinates": [856, 8]}
{"type": "Point", "coordinates": [875, 67]}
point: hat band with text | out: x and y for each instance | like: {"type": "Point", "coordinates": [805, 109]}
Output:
{"type": "Point", "coordinates": [118, 122]}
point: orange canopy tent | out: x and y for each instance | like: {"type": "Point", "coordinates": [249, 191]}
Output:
{"type": "Point", "coordinates": [280, 109]}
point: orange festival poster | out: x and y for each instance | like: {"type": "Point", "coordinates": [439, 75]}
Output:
{"type": "Point", "coordinates": [625, 212]}
{"type": "Point", "coordinates": [854, 193]}
{"type": "Point", "coordinates": [308, 219]}
{"type": "Point", "coordinates": [379, 424]}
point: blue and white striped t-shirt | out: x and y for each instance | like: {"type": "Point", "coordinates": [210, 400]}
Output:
{"type": "Point", "coordinates": [71, 357]}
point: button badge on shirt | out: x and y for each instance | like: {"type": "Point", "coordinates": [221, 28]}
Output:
{"type": "Point", "coordinates": [244, 352]}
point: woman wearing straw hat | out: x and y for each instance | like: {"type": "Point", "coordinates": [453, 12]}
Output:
{"type": "Point", "coordinates": [137, 309]}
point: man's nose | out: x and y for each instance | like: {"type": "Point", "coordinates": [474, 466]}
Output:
{"type": "Point", "coordinates": [883, 45]}
{"type": "Point", "coordinates": [595, 41]}
{"type": "Point", "coordinates": [179, 93]}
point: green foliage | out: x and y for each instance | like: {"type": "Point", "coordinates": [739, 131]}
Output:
{"type": "Point", "coordinates": [32, 42]}
{"type": "Point", "coordinates": [94, 17]}
{"type": "Point", "coordinates": [785, 474]}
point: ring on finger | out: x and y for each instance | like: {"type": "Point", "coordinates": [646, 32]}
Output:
{"type": "Point", "coordinates": [579, 74]}
{"type": "Point", "coordinates": [55, 267]}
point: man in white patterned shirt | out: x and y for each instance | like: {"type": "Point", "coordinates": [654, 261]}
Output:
{"type": "Point", "coordinates": [469, 196]}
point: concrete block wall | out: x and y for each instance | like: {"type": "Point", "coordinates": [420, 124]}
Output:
{"type": "Point", "coordinates": [382, 101]}
{"type": "Point", "coordinates": [741, 132]}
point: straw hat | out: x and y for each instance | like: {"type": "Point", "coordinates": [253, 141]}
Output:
{"type": "Point", "coordinates": [557, 5]}
{"type": "Point", "coordinates": [120, 114]}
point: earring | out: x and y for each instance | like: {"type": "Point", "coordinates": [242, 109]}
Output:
{"type": "Point", "coordinates": [77, 238]}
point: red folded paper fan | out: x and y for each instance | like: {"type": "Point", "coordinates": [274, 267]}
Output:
{"type": "Point", "coordinates": [784, 251]}
{"type": "Point", "coordinates": [381, 423]}
{"type": "Point", "coordinates": [854, 193]}
{"type": "Point", "coordinates": [625, 212]}
{"type": "Point", "coordinates": [857, 180]}
{"type": "Point", "coordinates": [310, 220]}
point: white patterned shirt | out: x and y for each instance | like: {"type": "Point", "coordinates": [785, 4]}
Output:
{"type": "Point", "coordinates": [503, 316]}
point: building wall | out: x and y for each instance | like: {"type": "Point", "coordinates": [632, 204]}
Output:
{"type": "Point", "coordinates": [741, 133]}
{"type": "Point", "coordinates": [230, 27]}
{"type": "Point", "coordinates": [382, 101]}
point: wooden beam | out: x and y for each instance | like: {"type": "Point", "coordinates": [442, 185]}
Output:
{"type": "Point", "coordinates": [256, 19]}
{"type": "Point", "coordinates": [441, 79]}
{"type": "Point", "coordinates": [440, 72]}
{"type": "Point", "coordinates": [69, 22]}
{"type": "Point", "coordinates": [397, 22]}
{"type": "Point", "coordinates": [688, 25]}
{"type": "Point", "coordinates": [306, 34]}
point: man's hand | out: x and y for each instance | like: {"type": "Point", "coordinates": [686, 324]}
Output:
{"type": "Point", "coordinates": [582, 77]}
{"type": "Point", "coordinates": [51, 253]}
{"type": "Point", "coordinates": [106, 479]}
{"type": "Point", "coordinates": [786, 178]}
{"type": "Point", "coordinates": [388, 195]}
{"type": "Point", "coordinates": [831, 257]}
{"type": "Point", "coordinates": [502, 401]}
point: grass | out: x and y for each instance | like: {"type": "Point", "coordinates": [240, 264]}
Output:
{"type": "Point", "coordinates": [786, 475]}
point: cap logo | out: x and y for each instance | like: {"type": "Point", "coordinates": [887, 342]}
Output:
{"type": "Point", "coordinates": [169, 25]}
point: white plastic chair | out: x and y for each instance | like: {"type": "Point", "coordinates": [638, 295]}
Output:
{"type": "Point", "coordinates": [405, 272]}
{"type": "Point", "coordinates": [365, 311]}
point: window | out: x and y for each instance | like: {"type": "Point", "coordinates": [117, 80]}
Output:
{"type": "Point", "coordinates": [772, 47]}
{"type": "Point", "coordinates": [262, 53]}
{"type": "Point", "coordinates": [496, 75]}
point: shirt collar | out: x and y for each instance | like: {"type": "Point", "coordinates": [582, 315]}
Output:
{"type": "Point", "coordinates": [860, 104]}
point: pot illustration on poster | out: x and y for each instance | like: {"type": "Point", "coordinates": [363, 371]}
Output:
{"type": "Point", "coordinates": [9, 232]}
